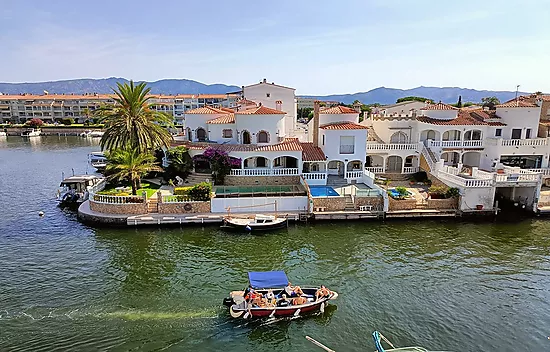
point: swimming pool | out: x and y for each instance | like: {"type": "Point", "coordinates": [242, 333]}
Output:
{"type": "Point", "coordinates": [323, 191]}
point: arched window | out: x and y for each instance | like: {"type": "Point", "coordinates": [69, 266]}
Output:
{"type": "Point", "coordinates": [398, 137]}
{"type": "Point", "coordinates": [246, 137]}
{"type": "Point", "coordinates": [201, 134]}
{"type": "Point", "coordinates": [263, 137]}
{"type": "Point", "coordinates": [430, 135]}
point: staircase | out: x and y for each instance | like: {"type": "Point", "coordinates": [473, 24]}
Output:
{"type": "Point", "coordinates": [195, 178]}
{"type": "Point", "coordinates": [350, 206]}
{"type": "Point", "coordinates": [152, 205]}
{"type": "Point", "coordinates": [336, 181]}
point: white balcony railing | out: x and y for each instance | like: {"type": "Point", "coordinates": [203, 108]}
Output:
{"type": "Point", "coordinates": [455, 144]}
{"type": "Point", "coordinates": [314, 176]}
{"type": "Point", "coordinates": [524, 142]}
{"type": "Point", "coordinates": [517, 177]}
{"type": "Point", "coordinates": [375, 169]}
{"type": "Point", "coordinates": [410, 170]}
{"type": "Point", "coordinates": [265, 172]}
{"type": "Point", "coordinates": [543, 171]}
{"type": "Point", "coordinates": [464, 182]}
{"type": "Point", "coordinates": [354, 174]}
{"type": "Point", "coordinates": [392, 146]}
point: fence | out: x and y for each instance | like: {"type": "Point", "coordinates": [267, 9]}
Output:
{"type": "Point", "coordinates": [455, 144]}
{"type": "Point", "coordinates": [265, 172]}
{"type": "Point", "coordinates": [107, 199]}
{"type": "Point", "coordinates": [315, 176]}
{"type": "Point", "coordinates": [375, 169]}
{"type": "Point", "coordinates": [410, 170]}
{"type": "Point", "coordinates": [392, 146]}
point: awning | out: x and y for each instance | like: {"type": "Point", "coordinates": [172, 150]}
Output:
{"type": "Point", "coordinates": [267, 279]}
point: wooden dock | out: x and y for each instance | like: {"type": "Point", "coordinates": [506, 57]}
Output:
{"type": "Point", "coordinates": [183, 219]}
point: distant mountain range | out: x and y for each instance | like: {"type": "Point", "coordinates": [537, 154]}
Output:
{"type": "Point", "coordinates": [380, 95]}
{"type": "Point", "coordinates": [449, 95]}
{"type": "Point", "coordinates": [105, 85]}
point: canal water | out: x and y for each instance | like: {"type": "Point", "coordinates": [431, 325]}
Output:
{"type": "Point", "coordinates": [440, 284]}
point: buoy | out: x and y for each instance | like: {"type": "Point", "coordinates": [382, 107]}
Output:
{"type": "Point", "coordinates": [40, 213]}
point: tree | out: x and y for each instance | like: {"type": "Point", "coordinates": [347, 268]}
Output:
{"type": "Point", "coordinates": [179, 163]}
{"type": "Point", "coordinates": [36, 122]}
{"type": "Point", "coordinates": [220, 163]}
{"type": "Point", "coordinates": [131, 123]}
{"type": "Point", "coordinates": [459, 103]}
{"type": "Point", "coordinates": [131, 165]}
{"type": "Point", "coordinates": [490, 101]}
{"type": "Point", "coordinates": [303, 113]}
{"type": "Point", "coordinates": [422, 99]}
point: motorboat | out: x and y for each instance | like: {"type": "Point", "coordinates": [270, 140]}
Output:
{"type": "Point", "coordinates": [31, 132]}
{"type": "Point", "coordinates": [92, 134]}
{"type": "Point", "coordinates": [275, 282]}
{"type": "Point", "coordinates": [75, 189]}
{"type": "Point", "coordinates": [378, 338]}
{"type": "Point", "coordinates": [258, 222]}
{"type": "Point", "coordinates": [97, 160]}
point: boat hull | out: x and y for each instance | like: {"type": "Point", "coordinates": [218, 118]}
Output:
{"type": "Point", "coordinates": [228, 224]}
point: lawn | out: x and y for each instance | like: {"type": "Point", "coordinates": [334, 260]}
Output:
{"type": "Point", "coordinates": [150, 188]}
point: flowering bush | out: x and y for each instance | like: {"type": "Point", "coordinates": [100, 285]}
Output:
{"type": "Point", "coordinates": [36, 122]}
{"type": "Point", "coordinates": [220, 163]}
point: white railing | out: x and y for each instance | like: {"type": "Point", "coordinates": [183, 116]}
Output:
{"type": "Point", "coordinates": [369, 174]}
{"type": "Point", "coordinates": [455, 144]}
{"type": "Point", "coordinates": [392, 146]}
{"type": "Point", "coordinates": [451, 170]}
{"type": "Point", "coordinates": [265, 172]}
{"type": "Point", "coordinates": [354, 174]}
{"type": "Point", "coordinates": [464, 182]}
{"type": "Point", "coordinates": [314, 176]}
{"type": "Point", "coordinates": [375, 169]}
{"type": "Point", "coordinates": [482, 174]}
{"type": "Point", "coordinates": [524, 142]}
{"type": "Point", "coordinates": [177, 199]}
{"type": "Point", "coordinates": [410, 170]}
{"type": "Point", "coordinates": [542, 171]}
{"type": "Point", "coordinates": [517, 177]}
{"type": "Point", "coordinates": [428, 157]}
{"type": "Point", "coordinates": [107, 199]}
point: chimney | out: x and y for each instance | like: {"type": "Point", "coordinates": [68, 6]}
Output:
{"type": "Point", "coordinates": [264, 81]}
{"type": "Point", "coordinates": [278, 105]}
{"type": "Point", "coordinates": [316, 105]}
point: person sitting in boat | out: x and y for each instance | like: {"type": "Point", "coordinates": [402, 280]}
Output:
{"type": "Point", "coordinates": [284, 301]}
{"type": "Point", "coordinates": [299, 300]}
{"type": "Point", "coordinates": [323, 292]}
{"type": "Point", "coordinates": [270, 296]}
{"type": "Point", "coordinates": [248, 290]}
{"type": "Point", "coordinates": [293, 291]}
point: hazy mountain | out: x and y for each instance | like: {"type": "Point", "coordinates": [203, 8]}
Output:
{"type": "Point", "coordinates": [80, 86]}
{"type": "Point", "coordinates": [450, 95]}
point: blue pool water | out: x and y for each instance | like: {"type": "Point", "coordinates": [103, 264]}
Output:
{"type": "Point", "coordinates": [322, 191]}
{"type": "Point", "coordinates": [393, 192]}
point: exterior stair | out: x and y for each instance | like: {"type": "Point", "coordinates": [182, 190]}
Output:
{"type": "Point", "coordinates": [349, 204]}
{"type": "Point", "coordinates": [195, 178]}
{"type": "Point", "coordinates": [152, 205]}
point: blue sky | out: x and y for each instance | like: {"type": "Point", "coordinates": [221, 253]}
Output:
{"type": "Point", "coordinates": [315, 46]}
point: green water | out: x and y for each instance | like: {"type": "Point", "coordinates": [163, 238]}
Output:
{"type": "Point", "coordinates": [441, 284]}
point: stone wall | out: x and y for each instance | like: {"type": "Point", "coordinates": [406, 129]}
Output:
{"type": "Point", "coordinates": [402, 204]}
{"type": "Point", "coordinates": [261, 180]}
{"type": "Point", "coordinates": [127, 209]}
{"type": "Point", "coordinates": [178, 208]}
{"type": "Point", "coordinates": [376, 202]}
{"type": "Point", "coordinates": [450, 203]}
{"type": "Point", "coordinates": [330, 203]}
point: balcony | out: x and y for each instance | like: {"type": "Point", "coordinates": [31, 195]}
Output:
{"type": "Point", "coordinates": [533, 142]}
{"type": "Point", "coordinates": [381, 147]}
{"type": "Point", "coordinates": [265, 172]}
{"type": "Point", "coordinates": [455, 144]}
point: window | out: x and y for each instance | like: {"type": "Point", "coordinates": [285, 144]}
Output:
{"type": "Point", "coordinates": [528, 133]}
{"type": "Point", "coordinates": [498, 132]}
{"type": "Point", "coordinates": [227, 133]}
{"type": "Point", "coordinates": [201, 134]}
{"type": "Point", "coordinates": [263, 137]}
{"type": "Point", "coordinates": [516, 133]}
{"type": "Point", "coordinates": [347, 144]}
{"type": "Point", "coordinates": [398, 137]}
{"type": "Point", "coordinates": [246, 137]}
{"type": "Point", "coordinates": [268, 95]}
{"type": "Point", "coordinates": [523, 161]}
{"type": "Point", "coordinates": [323, 140]}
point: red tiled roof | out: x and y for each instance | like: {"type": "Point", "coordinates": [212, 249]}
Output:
{"type": "Point", "coordinates": [261, 110]}
{"type": "Point", "coordinates": [227, 110]}
{"type": "Point", "coordinates": [464, 117]}
{"type": "Point", "coordinates": [338, 110]}
{"type": "Point", "coordinates": [439, 106]}
{"type": "Point", "coordinates": [516, 104]}
{"type": "Point", "coordinates": [312, 153]}
{"type": "Point", "coordinates": [205, 110]}
{"type": "Point", "coordinates": [344, 125]}
{"type": "Point", "coordinates": [245, 101]}
{"type": "Point", "coordinates": [225, 119]}
{"type": "Point", "coordinates": [288, 144]}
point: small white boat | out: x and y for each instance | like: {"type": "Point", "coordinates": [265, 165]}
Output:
{"type": "Point", "coordinates": [258, 223]}
{"type": "Point", "coordinates": [3, 134]}
{"type": "Point", "coordinates": [92, 134]}
{"type": "Point", "coordinates": [97, 160]}
{"type": "Point", "coordinates": [31, 132]}
{"type": "Point", "coordinates": [75, 189]}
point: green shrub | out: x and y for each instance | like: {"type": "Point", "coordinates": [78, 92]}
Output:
{"type": "Point", "coordinates": [67, 121]}
{"type": "Point", "coordinates": [402, 192]}
{"type": "Point", "coordinates": [438, 192]}
{"type": "Point", "coordinates": [452, 192]}
{"type": "Point", "coordinates": [201, 192]}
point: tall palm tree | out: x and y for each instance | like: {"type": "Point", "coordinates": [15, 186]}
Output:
{"type": "Point", "coordinates": [131, 123]}
{"type": "Point", "coordinates": [130, 164]}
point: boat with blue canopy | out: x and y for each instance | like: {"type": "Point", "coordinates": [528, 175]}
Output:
{"type": "Point", "coordinates": [270, 294]}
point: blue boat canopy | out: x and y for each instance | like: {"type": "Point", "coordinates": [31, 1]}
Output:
{"type": "Point", "coordinates": [267, 279]}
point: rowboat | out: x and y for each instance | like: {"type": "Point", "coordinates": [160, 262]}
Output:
{"type": "Point", "coordinates": [274, 281]}
{"type": "Point", "coordinates": [257, 223]}
{"type": "Point", "coordinates": [378, 337]}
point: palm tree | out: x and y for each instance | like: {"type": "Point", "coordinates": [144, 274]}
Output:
{"type": "Point", "coordinates": [131, 123]}
{"type": "Point", "coordinates": [130, 164]}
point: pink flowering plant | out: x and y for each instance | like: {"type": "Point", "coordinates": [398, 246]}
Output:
{"type": "Point", "coordinates": [220, 163]}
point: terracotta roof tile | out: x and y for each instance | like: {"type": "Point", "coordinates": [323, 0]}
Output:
{"type": "Point", "coordinates": [225, 119]}
{"type": "Point", "coordinates": [439, 106]}
{"type": "Point", "coordinates": [465, 117]}
{"type": "Point", "coordinates": [345, 125]}
{"type": "Point", "coordinates": [288, 144]}
{"type": "Point", "coordinates": [312, 153]}
{"type": "Point", "coordinates": [206, 110]}
{"type": "Point", "coordinates": [227, 109]}
{"type": "Point", "coordinates": [244, 101]}
{"type": "Point", "coordinates": [338, 110]}
{"type": "Point", "coordinates": [516, 104]}
{"type": "Point", "coordinates": [261, 110]}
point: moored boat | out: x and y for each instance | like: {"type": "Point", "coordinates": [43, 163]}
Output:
{"type": "Point", "coordinates": [75, 189]}
{"type": "Point", "coordinates": [97, 160]}
{"type": "Point", "coordinates": [31, 132]}
{"type": "Point", "coordinates": [265, 283]}
{"type": "Point", "coordinates": [258, 223]}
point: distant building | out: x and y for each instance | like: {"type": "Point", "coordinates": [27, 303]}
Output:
{"type": "Point", "coordinates": [303, 102]}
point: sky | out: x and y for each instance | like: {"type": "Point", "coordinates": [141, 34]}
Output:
{"type": "Point", "coordinates": [317, 47]}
